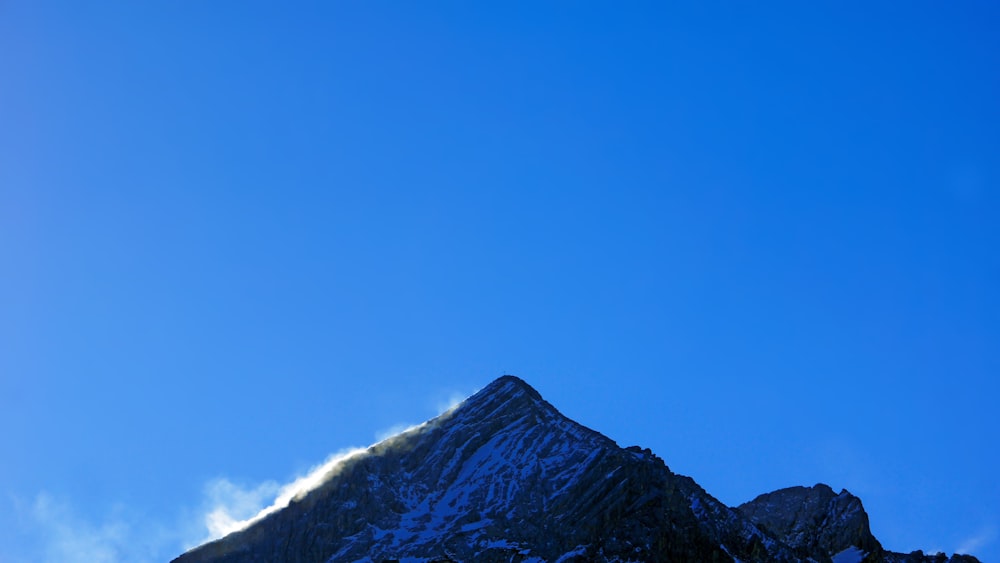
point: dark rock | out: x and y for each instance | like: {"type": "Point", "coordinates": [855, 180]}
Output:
{"type": "Point", "coordinates": [814, 521]}
{"type": "Point", "coordinates": [506, 477]}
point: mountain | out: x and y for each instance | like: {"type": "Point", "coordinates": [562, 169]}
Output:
{"type": "Point", "coordinates": [505, 477]}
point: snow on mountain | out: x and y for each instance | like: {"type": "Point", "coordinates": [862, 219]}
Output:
{"type": "Point", "coordinates": [505, 477]}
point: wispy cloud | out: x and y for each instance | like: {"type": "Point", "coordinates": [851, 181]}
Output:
{"type": "Point", "coordinates": [444, 403]}
{"type": "Point", "coordinates": [231, 507]}
{"type": "Point", "coordinates": [393, 430]}
{"type": "Point", "coordinates": [452, 400]}
{"type": "Point", "coordinates": [975, 543]}
{"type": "Point", "coordinates": [57, 532]}
{"type": "Point", "coordinates": [70, 539]}
{"type": "Point", "coordinates": [67, 537]}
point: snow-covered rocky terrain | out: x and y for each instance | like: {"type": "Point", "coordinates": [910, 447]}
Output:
{"type": "Point", "coordinates": [505, 477]}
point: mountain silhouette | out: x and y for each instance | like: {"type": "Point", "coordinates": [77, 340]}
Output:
{"type": "Point", "coordinates": [506, 477]}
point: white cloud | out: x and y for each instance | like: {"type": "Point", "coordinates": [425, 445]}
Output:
{"type": "Point", "coordinates": [231, 507]}
{"type": "Point", "coordinates": [393, 430]}
{"type": "Point", "coordinates": [453, 399]}
{"type": "Point", "coordinates": [66, 537]}
{"type": "Point", "coordinates": [59, 534]}
{"type": "Point", "coordinates": [229, 504]}
{"type": "Point", "coordinates": [72, 540]}
{"type": "Point", "coordinates": [447, 402]}
{"type": "Point", "coordinates": [977, 542]}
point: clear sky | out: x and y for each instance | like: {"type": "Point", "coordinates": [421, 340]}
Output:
{"type": "Point", "coordinates": [236, 237]}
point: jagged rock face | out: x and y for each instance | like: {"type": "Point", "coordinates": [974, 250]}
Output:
{"type": "Point", "coordinates": [919, 557]}
{"type": "Point", "coordinates": [814, 521]}
{"type": "Point", "coordinates": [506, 477]}
{"type": "Point", "coordinates": [821, 525]}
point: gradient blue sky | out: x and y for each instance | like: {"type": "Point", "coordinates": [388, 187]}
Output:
{"type": "Point", "coordinates": [236, 237]}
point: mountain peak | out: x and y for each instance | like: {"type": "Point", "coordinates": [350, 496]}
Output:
{"type": "Point", "coordinates": [504, 476]}
{"type": "Point", "coordinates": [506, 399]}
{"type": "Point", "coordinates": [508, 385]}
{"type": "Point", "coordinates": [816, 521]}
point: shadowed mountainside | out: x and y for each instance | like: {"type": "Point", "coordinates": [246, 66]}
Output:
{"type": "Point", "coordinates": [505, 477]}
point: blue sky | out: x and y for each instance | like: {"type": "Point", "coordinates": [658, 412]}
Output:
{"type": "Point", "coordinates": [238, 237]}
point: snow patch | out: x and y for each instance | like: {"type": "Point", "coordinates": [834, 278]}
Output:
{"type": "Point", "coordinates": [569, 555]}
{"type": "Point", "coordinates": [726, 549]}
{"type": "Point", "coordinates": [849, 555]}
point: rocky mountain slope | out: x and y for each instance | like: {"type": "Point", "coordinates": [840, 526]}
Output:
{"type": "Point", "coordinates": [505, 477]}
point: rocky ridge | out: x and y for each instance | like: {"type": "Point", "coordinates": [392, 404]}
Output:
{"type": "Point", "coordinates": [506, 477]}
